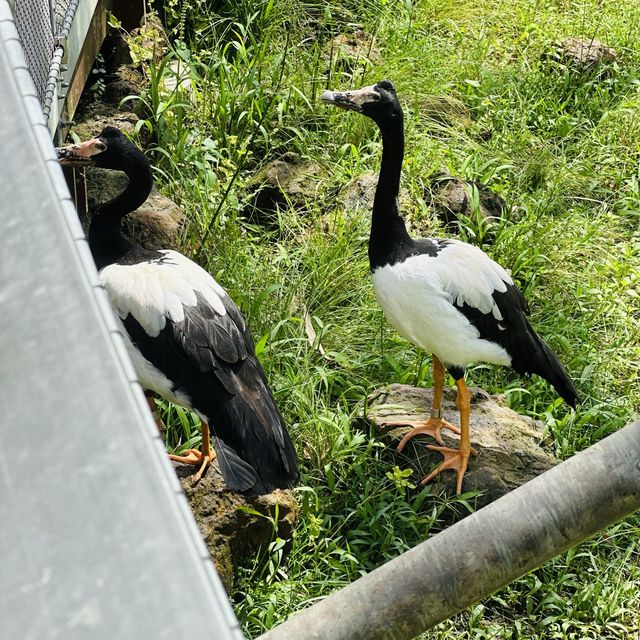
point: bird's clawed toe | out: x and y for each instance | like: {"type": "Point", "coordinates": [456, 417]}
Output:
{"type": "Point", "coordinates": [431, 427]}
{"type": "Point", "coordinates": [206, 461]}
{"type": "Point", "coordinates": [454, 459]}
{"type": "Point", "coordinates": [195, 457]}
{"type": "Point", "coordinates": [191, 456]}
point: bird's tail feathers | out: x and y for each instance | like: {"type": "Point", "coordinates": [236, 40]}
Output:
{"type": "Point", "coordinates": [259, 437]}
{"type": "Point", "coordinates": [238, 474]}
{"type": "Point", "coordinates": [547, 365]}
{"type": "Point", "coordinates": [266, 442]}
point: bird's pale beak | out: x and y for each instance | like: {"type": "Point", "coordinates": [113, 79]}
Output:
{"type": "Point", "coordinates": [351, 100]}
{"type": "Point", "coordinates": [81, 154]}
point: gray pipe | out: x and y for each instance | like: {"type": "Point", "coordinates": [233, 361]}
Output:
{"type": "Point", "coordinates": [483, 552]}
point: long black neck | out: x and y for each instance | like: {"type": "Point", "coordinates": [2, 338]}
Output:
{"type": "Point", "coordinates": [106, 240]}
{"type": "Point", "coordinates": [389, 239]}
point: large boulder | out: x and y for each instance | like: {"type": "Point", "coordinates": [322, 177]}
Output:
{"type": "Point", "coordinates": [236, 527]}
{"type": "Point", "coordinates": [511, 448]}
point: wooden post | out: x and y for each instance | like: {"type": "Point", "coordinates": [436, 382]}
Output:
{"type": "Point", "coordinates": [483, 552]}
{"type": "Point", "coordinates": [90, 47]}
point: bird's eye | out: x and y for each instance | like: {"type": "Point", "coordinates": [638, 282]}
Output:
{"type": "Point", "coordinates": [101, 146]}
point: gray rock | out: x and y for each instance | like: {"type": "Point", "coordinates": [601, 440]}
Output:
{"type": "Point", "coordinates": [350, 51]}
{"type": "Point", "coordinates": [451, 197]}
{"type": "Point", "coordinates": [358, 195]}
{"type": "Point", "coordinates": [511, 448]}
{"type": "Point", "coordinates": [94, 117]}
{"type": "Point", "coordinates": [581, 53]}
{"type": "Point", "coordinates": [290, 180]}
{"type": "Point", "coordinates": [156, 224]}
{"type": "Point", "coordinates": [125, 81]}
{"type": "Point", "coordinates": [235, 527]}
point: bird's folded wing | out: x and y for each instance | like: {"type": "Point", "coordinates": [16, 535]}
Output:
{"type": "Point", "coordinates": [176, 302]}
{"type": "Point", "coordinates": [474, 281]}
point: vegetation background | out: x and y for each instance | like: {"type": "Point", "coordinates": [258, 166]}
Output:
{"type": "Point", "coordinates": [240, 87]}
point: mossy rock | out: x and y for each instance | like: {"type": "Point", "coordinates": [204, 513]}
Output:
{"type": "Point", "coordinates": [512, 449]}
{"type": "Point", "coordinates": [236, 527]}
{"type": "Point", "coordinates": [581, 54]}
{"type": "Point", "coordinates": [452, 197]}
{"type": "Point", "coordinates": [157, 224]}
{"type": "Point", "coordinates": [288, 181]}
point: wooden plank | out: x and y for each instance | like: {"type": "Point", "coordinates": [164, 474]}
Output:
{"type": "Point", "coordinates": [90, 48]}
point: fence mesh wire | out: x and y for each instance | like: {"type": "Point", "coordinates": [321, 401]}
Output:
{"type": "Point", "coordinates": [42, 25]}
{"type": "Point", "coordinates": [59, 10]}
{"type": "Point", "coordinates": [33, 22]}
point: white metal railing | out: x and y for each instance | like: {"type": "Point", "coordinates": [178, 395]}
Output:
{"type": "Point", "coordinates": [52, 33]}
{"type": "Point", "coordinates": [96, 536]}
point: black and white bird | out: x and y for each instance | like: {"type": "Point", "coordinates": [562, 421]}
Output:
{"type": "Point", "coordinates": [187, 339]}
{"type": "Point", "coordinates": [443, 295]}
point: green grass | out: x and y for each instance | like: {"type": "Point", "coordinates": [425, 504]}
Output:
{"type": "Point", "coordinates": [561, 147]}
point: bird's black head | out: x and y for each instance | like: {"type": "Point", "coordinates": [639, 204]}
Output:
{"type": "Point", "coordinates": [110, 150]}
{"type": "Point", "coordinates": [379, 102]}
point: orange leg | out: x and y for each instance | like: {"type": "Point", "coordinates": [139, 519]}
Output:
{"type": "Point", "coordinates": [203, 458]}
{"type": "Point", "coordinates": [435, 423]}
{"type": "Point", "coordinates": [192, 456]}
{"type": "Point", "coordinates": [457, 459]}
{"type": "Point", "coordinates": [151, 401]}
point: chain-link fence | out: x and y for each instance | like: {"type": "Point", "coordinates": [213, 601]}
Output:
{"type": "Point", "coordinates": [43, 25]}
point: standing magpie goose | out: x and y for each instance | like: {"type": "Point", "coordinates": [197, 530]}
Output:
{"type": "Point", "coordinates": [444, 296]}
{"type": "Point", "coordinates": [187, 339]}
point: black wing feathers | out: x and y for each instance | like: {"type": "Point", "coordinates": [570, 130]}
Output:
{"type": "Point", "coordinates": [208, 337]}
{"type": "Point", "coordinates": [211, 358]}
{"type": "Point", "coordinates": [529, 352]}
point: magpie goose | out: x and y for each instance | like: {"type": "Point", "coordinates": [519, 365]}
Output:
{"type": "Point", "coordinates": [187, 339]}
{"type": "Point", "coordinates": [445, 296]}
